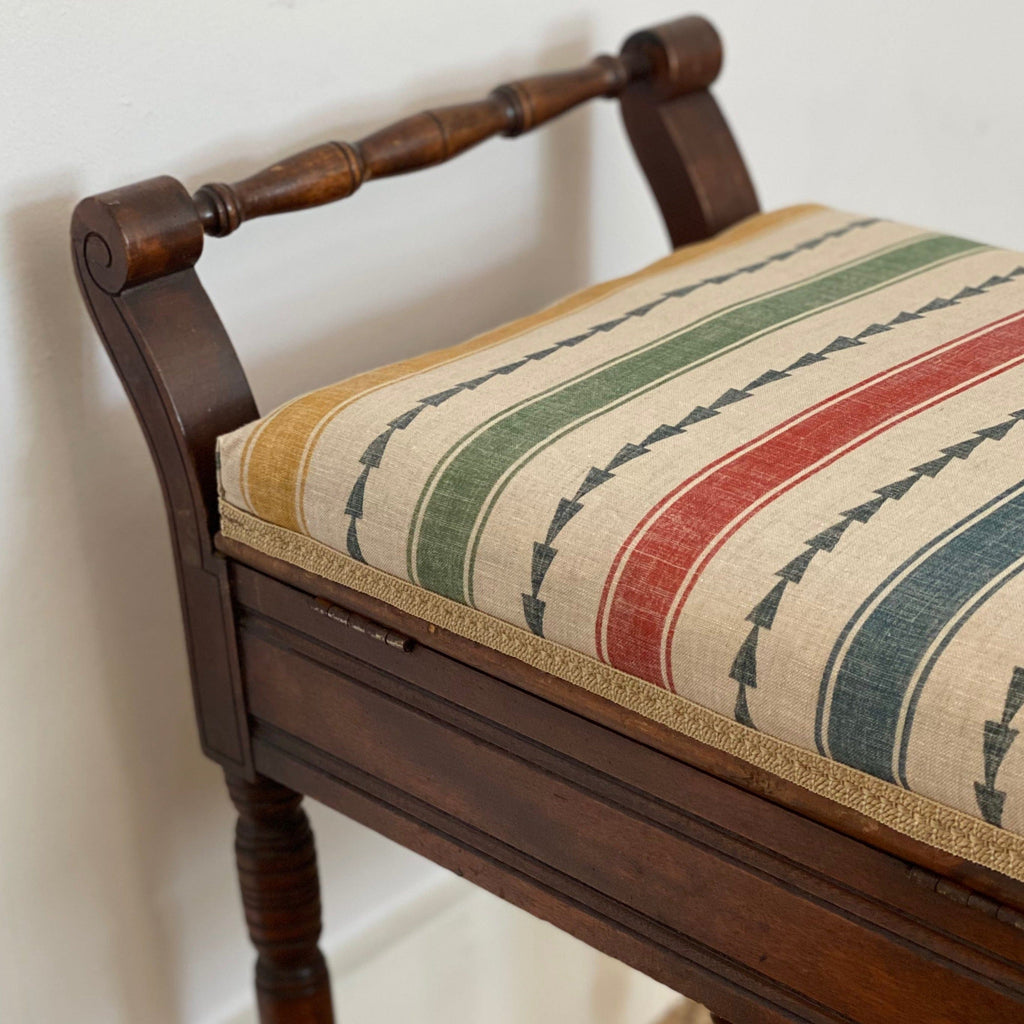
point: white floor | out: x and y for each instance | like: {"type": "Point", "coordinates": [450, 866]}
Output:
{"type": "Point", "coordinates": [457, 955]}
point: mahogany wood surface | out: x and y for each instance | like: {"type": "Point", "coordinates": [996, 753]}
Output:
{"type": "Point", "coordinates": [596, 816]}
{"type": "Point", "coordinates": [765, 902]}
{"type": "Point", "coordinates": [277, 874]}
{"type": "Point", "coordinates": [657, 67]}
{"type": "Point", "coordinates": [680, 137]}
{"type": "Point", "coordinates": [134, 249]}
{"type": "Point", "coordinates": [958, 878]}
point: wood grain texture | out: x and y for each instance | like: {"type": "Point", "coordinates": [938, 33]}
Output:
{"type": "Point", "coordinates": [334, 170]}
{"type": "Point", "coordinates": [134, 249]}
{"type": "Point", "coordinates": [679, 135]}
{"type": "Point", "coordinates": [934, 864]}
{"type": "Point", "coordinates": [763, 901]}
{"type": "Point", "coordinates": [742, 894]}
{"type": "Point", "coordinates": [280, 889]}
{"type": "Point", "coordinates": [667, 63]}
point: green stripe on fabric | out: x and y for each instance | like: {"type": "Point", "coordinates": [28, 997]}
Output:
{"type": "Point", "coordinates": [480, 428]}
{"type": "Point", "coordinates": [513, 471]}
{"type": "Point", "coordinates": [441, 538]}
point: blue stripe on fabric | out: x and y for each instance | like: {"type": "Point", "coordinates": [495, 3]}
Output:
{"type": "Point", "coordinates": [871, 684]}
{"type": "Point", "coordinates": [964, 617]}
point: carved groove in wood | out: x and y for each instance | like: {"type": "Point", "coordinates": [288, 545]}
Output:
{"type": "Point", "coordinates": [675, 59]}
{"type": "Point", "coordinates": [277, 874]}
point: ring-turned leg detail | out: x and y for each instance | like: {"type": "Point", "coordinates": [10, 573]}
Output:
{"type": "Point", "coordinates": [277, 873]}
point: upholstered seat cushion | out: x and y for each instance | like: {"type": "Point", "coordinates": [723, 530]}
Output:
{"type": "Point", "coordinates": [769, 490]}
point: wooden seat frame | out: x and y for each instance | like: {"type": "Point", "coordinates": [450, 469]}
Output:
{"type": "Point", "coordinates": [759, 899]}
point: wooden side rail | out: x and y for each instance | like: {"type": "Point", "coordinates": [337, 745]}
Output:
{"type": "Point", "coordinates": [135, 249]}
{"type": "Point", "coordinates": [682, 57]}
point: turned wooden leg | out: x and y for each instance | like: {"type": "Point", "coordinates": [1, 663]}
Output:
{"type": "Point", "coordinates": [281, 895]}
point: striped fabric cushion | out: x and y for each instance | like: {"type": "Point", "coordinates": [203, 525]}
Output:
{"type": "Point", "coordinates": [769, 491]}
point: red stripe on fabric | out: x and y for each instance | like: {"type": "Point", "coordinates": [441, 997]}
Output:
{"type": "Point", "coordinates": [678, 535]}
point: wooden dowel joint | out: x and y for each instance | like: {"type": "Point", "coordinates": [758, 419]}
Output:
{"type": "Point", "coordinates": [680, 57]}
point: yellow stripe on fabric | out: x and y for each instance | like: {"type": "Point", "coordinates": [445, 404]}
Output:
{"type": "Point", "coordinates": [276, 455]}
{"type": "Point", "coordinates": [945, 828]}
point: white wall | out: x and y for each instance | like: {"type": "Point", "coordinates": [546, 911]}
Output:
{"type": "Point", "coordinates": [117, 900]}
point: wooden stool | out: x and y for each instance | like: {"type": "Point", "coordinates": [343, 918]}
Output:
{"type": "Point", "coordinates": [768, 880]}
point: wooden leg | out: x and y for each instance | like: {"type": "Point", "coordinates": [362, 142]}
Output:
{"type": "Point", "coordinates": [715, 1019]}
{"type": "Point", "coordinates": [281, 895]}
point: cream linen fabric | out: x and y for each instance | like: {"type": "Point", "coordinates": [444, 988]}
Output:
{"type": "Point", "coordinates": [769, 490]}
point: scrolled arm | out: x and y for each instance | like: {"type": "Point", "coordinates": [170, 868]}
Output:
{"type": "Point", "coordinates": [677, 58]}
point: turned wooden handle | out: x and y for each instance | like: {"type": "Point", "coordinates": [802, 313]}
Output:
{"type": "Point", "coordinates": [682, 56]}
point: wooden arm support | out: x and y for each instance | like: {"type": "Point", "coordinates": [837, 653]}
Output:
{"type": "Point", "coordinates": [679, 58]}
{"type": "Point", "coordinates": [661, 76]}
{"type": "Point", "coordinates": [135, 249]}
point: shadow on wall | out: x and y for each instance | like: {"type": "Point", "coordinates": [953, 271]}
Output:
{"type": "Point", "coordinates": [102, 654]}
{"type": "Point", "coordinates": [127, 843]}
{"type": "Point", "coordinates": [393, 228]}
